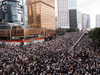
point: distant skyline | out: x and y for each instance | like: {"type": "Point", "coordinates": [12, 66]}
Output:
{"type": "Point", "coordinates": [90, 7]}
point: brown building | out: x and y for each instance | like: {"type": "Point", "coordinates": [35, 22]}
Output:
{"type": "Point", "coordinates": [41, 13]}
{"type": "Point", "coordinates": [41, 18]}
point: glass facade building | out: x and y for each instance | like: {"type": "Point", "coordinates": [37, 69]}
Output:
{"type": "Point", "coordinates": [18, 33]}
{"type": "Point", "coordinates": [63, 14]}
{"type": "Point", "coordinates": [72, 14]}
{"type": "Point", "coordinates": [41, 13]}
{"type": "Point", "coordinates": [73, 18]}
{"type": "Point", "coordinates": [11, 11]}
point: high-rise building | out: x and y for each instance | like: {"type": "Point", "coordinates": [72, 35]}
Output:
{"type": "Point", "coordinates": [88, 21]}
{"type": "Point", "coordinates": [41, 13]}
{"type": "Point", "coordinates": [73, 18]}
{"type": "Point", "coordinates": [84, 21]}
{"type": "Point", "coordinates": [72, 14]}
{"type": "Point", "coordinates": [63, 14]}
{"type": "Point", "coordinates": [13, 21]}
{"type": "Point", "coordinates": [10, 11]}
{"type": "Point", "coordinates": [79, 20]}
{"type": "Point", "coordinates": [98, 20]}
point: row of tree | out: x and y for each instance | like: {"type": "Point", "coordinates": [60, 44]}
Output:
{"type": "Point", "coordinates": [94, 34]}
{"type": "Point", "coordinates": [60, 32]}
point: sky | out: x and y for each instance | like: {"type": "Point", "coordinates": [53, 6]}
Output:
{"type": "Point", "coordinates": [91, 7]}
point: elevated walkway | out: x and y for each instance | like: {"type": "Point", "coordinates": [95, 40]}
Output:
{"type": "Point", "coordinates": [78, 40]}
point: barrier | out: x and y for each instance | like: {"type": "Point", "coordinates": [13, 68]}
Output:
{"type": "Point", "coordinates": [22, 42]}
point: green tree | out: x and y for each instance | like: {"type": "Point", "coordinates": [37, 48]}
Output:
{"type": "Point", "coordinates": [94, 34]}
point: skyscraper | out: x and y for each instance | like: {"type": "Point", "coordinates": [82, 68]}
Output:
{"type": "Point", "coordinates": [63, 14]}
{"type": "Point", "coordinates": [72, 14]}
{"type": "Point", "coordinates": [41, 13]}
{"type": "Point", "coordinates": [88, 21]}
{"type": "Point", "coordinates": [79, 20]}
{"type": "Point", "coordinates": [98, 20]}
{"type": "Point", "coordinates": [84, 21]}
{"type": "Point", "coordinates": [11, 11]}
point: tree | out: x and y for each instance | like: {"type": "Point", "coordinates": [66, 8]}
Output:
{"type": "Point", "coordinates": [94, 34]}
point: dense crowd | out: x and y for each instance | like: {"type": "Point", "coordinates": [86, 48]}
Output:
{"type": "Point", "coordinates": [51, 57]}
{"type": "Point", "coordinates": [98, 50]}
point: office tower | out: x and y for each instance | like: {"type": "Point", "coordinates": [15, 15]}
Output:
{"type": "Point", "coordinates": [11, 11]}
{"type": "Point", "coordinates": [98, 20]}
{"type": "Point", "coordinates": [79, 20]}
{"type": "Point", "coordinates": [73, 18]}
{"type": "Point", "coordinates": [63, 14]}
{"type": "Point", "coordinates": [41, 13]}
{"type": "Point", "coordinates": [88, 21]}
{"type": "Point", "coordinates": [11, 19]}
{"type": "Point", "coordinates": [84, 21]}
{"type": "Point", "coordinates": [72, 14]}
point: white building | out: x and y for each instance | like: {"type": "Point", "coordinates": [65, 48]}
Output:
{"type": "Point", "coordinates": [88, 21]}
{"type": "Point", "coordinates": [98, 20]}
{"type": "Point", "coordinates": [25, 19]}
{"type": "Point", "coordinates": [84, 21]}
{"type": "Point", "coordinates": [63, 14]}
{"type": "Point", "coordinates": [79, 20]}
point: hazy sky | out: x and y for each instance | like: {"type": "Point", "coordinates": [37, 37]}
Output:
{"type": "Point", "coordinates": [91, 7]}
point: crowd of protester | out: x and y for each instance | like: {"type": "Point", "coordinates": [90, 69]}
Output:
{"type": "Point", "coordinates": [52, 57]}
{"type": "Point", "coordinates": [98, 50]}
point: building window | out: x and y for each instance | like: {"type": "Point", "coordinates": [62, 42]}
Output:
{"type": "Point", "coordinates": [12, 3]}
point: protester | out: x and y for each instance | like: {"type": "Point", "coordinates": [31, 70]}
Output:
{"type": "Point", "coordinates": [51, 57]}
